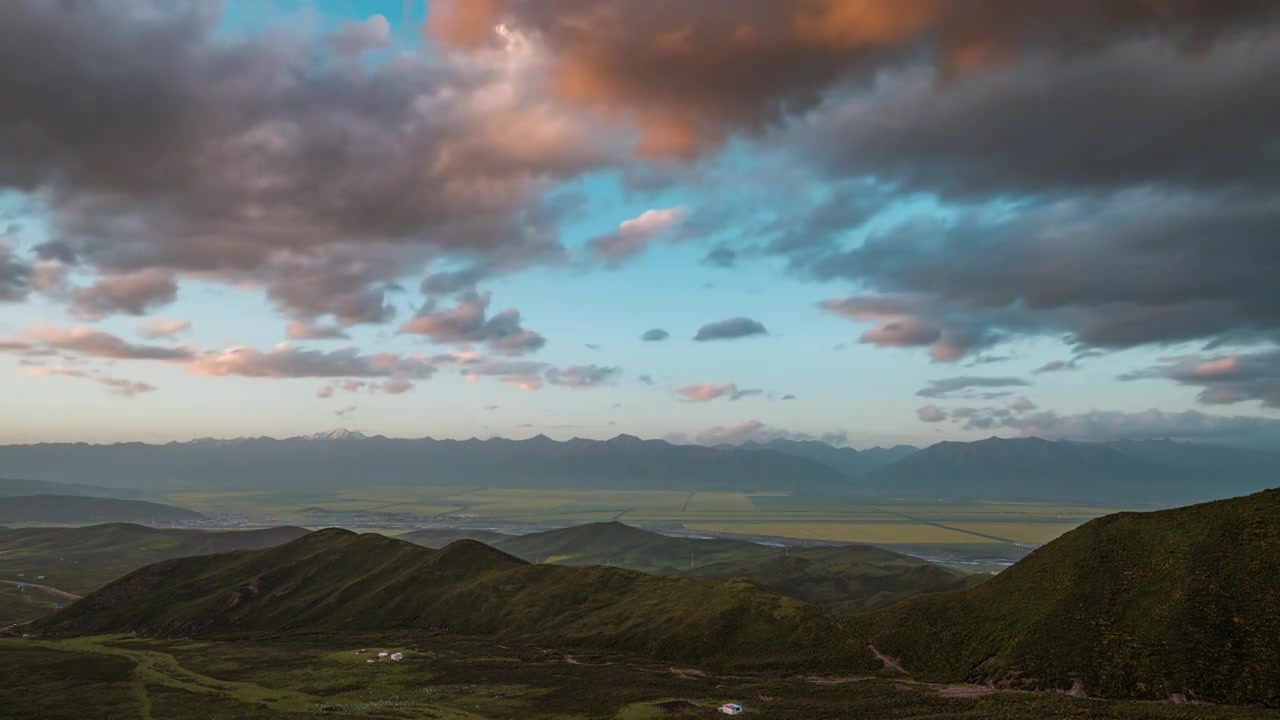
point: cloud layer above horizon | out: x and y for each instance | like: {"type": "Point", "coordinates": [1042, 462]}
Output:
{"type": "Point", "coordinates": [1041, 217]}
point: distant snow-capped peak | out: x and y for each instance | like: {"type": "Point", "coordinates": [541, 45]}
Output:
{"type": "Point", "coordinates": [339, 434]}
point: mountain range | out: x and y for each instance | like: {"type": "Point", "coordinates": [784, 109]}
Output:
{"type": "Point", "coordinates": [1123, 472]}
{"type": "Point", "coordinates": [1156, 605]}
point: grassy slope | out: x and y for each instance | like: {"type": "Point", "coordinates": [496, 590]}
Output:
{"type": "Point", "coordinates": [847, 578]}
{"type": "Point", "coordinates": [1133, 604]}
{"type": "Point", "coordinates": [337, 581]}
{"type": "Point", "coordinates": [78, 510]}
{"type": "Point", "coordinates": [16, 486]}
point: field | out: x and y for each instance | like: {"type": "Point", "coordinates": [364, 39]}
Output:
{"type": "Point", "coordinates": [813, 519]}
{"type": "Point", "coordinates": [445, 676]}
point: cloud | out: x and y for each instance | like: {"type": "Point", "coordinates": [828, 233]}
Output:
{"type": "Point", "coordinates": [131, 293]}
{"type": "Point", "coordinates": [931, 413]}
{"type": "Point", "coordinates": [347, 411]}
{"type": "Point", "coordinates": [756, 431]}
{"type": "Point", "coordinates": [1057, 366]}
{"type": "Point", "coordinates": [634, 235]}
{"type": "Point", "coordinates": [15, 275]}
{"type": "Point", "coordinates": [284, 361]}
{"type": "Point", "coordinates": [706, 392]}
{"type": "Point", "coordinates": [96, 343]}
{"type": "Point", "coordinates": [646, 379]}
{"type": "Point", "coordinates": [1120, 271]}
{"type": "Point", "coordinates": [949, 387]}
{"type": "Point", "coordinates": [691, 75]}
{"type": "Point", "coordinates": [297, 330]}
{"type": "Point", "coordinates": [294, 170]}
{"type": "Point", "coordinates": [788, 397]}
{"type": "Point", "coordinates": [354, 38]}
{"type": "Point", "coordinates": [733, 328]}
{"type": "Point", "coordinates": [1224, 379]}
{"type": "Point", "coordinates": [655, 335]}
{"type": "Point", "coordinates": [721, 257]}
{"type": "Point", "coordinates": [581, 377]}
{"type": "Point", "coordinates": [117, 386]}
{"type": "Point", "coordinates": [521, 374]}
{"type": "Point", "coordinates": [468, 322]}
{"type": "Point", "coordinates": [1189, 425]}
{"type": "Point", "coordinates": [163, 328]}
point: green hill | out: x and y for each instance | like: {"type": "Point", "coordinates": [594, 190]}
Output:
{"type": "Point", "coordinates": [82, 510]}
{"type": "Point", "coordinates": [436, 538]}
{"type": "Point", "coordinates": [340, 582]}
{"type": "Point", "coordinates": [846, 579]}
{"type": "Point", "coordinates": [619, 545]}
{"type": "Point", "coordinates": [1143, 605]}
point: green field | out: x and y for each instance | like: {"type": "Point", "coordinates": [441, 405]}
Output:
{"type": "Point", "coordinates": [445, 676]}
{"type": "Point", "coordinates": [829, 519]}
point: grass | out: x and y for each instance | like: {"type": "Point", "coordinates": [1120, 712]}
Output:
{"type": "Point", "coordinates": [446, 676]}
{"type": "Point", "coordinates": [1130, 605]}
{"type": "Point", "coordinates": [873, 533]}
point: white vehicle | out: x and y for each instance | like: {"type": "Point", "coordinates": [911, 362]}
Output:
{"type": "Point", "coordinates": [731, 709]}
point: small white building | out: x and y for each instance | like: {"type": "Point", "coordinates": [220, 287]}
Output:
{"type": "Point", "coordinates": [397, 657]}
{"type": "Point", "coordinates": [731, 709]}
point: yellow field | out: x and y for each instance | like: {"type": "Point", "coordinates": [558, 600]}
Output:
{"type": "Point", "coordinates": [720, 502]}
{"type": "Point", "coordinates": [884, 533]}
{"type": "Point", "coordinates": [1020, 532]}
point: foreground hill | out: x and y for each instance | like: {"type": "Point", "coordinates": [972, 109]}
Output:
{"type": "Point", "coordinates": [74, 510]}
{"type": "Point", "coordinates": [14, 486]}
{"type": "Point", "coordinates": [1141, 605]}
{"type": "Point", "coordinates": [333, 459]}
{"type": "Point", "coordinates": [845, 579]}
{"type": "Point", "coordinates": [337, 581]}
{"type": "Point", "coordinates": [1035, 469]}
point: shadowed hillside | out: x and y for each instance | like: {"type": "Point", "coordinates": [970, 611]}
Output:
{"type": "Point", "coordinates": [1129, 605]}
{"type": "Point", "coordinates": [848, 578]}
{"type": "Point", "coordinates": [80, 510]}
{"type": "Point", "coordinates": [335, 580]}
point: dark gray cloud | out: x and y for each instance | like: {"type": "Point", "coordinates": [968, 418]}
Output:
{"type": "Point", "coordinates": [1122, 271]}
{"type": "Point", "coordinates": [788, 397]}
{"type": "Point", "coordinates": [469, 322]}
{"type": "Point", "coordinates": [646, 379]}
{"type": "Point", "coordinates": [354, 38]}
{"type": "Point", "coordinates": [950, 387]}
{"type": "Point", "coordinates": [731, 329]}
{"type": "Point", "coordinates": [692, 74]}
{"type": "Point", "coordinates": [655, 335]}
{"type": "Point", "coordinates": [580, 377]}
{"type": "Point", "coordinates": [1165, 116]}
{"type": "Point", "coordinates": [15, 276]}
{"type": "Point", "coordinates": [721, 257]}
{"type": "Point", "coordinates": [323, 182]}
{"type": "Point", "coordinates": [1224, 379]}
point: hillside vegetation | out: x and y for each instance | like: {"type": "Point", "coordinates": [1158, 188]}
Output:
{"type": "Point", "coordinates": [621, 545]}
{"type": "Point", "coordinates": [1148, 605]}
{"type": "Point", "coordinates": [337, 581]}
{"type": "Point", "coordinates": [81, 510]}
{"type": "Point", "coordinates": [844, 578]}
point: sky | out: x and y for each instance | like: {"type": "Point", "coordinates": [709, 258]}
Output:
{"type": "Point", "coordinates": [855, 221]}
